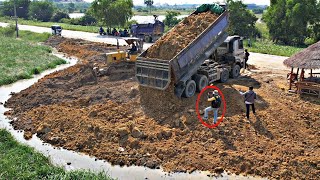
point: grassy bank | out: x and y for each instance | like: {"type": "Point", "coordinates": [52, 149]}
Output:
{"type": "Point", "coordinates": [18, 161]}
{"type": "Point", "coordinates": [21, 58]}
{"type": "Point", "coordinates": [93, 29]}
{"type": "Point", "coordinates": [267, 47]}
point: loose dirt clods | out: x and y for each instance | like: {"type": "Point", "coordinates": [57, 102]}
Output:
{"type": "Point", "coordinates": [112, 118]}
{"type": "Point", "coordinates": [180, 36]}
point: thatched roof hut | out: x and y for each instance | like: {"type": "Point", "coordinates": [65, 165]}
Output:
{"type": "Point", "coordinates": [308, 58]}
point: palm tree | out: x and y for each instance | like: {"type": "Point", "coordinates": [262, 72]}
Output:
{"type": "Point", "coordinates": [149, 3]}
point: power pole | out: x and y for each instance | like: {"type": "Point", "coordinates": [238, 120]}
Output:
{"type": "Point", "coordinates": [16, 17]}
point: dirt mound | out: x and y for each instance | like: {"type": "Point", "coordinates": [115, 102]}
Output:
{"type": "Point", "coordinates": [180, 36]}
{"type": "Point", "coordinates": [114, 119]}
{"type": "Point", "coordinates": [92, 52]}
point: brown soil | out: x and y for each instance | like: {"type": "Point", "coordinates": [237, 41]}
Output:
{"type": "Point", "coordinates": [169, 45]}
{"type": "Point", "coordinates": [100, 116]}
{"type": "Point", "coordinates": [91, 52]}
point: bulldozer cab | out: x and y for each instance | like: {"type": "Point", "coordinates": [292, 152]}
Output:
{"type": "Point", "coordinates": [138, 43]}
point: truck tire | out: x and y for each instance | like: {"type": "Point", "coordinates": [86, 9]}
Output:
{"type": "Point", "coordinates": [148, 39]}
{"type": "Point", "coordinates": [224, 76]}
{"type": "Point", "coordinates": [201, 81]}
{"type": "Point", "coordinates": [190, 89]}
{"type": "Point", "coordinates": [235, 71]}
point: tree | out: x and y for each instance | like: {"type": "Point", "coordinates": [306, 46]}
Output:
{"type": "Point", "coordinates": [59, 15]}
{"type": "Point", "coordinates": [71, 7]}
{"type": "Point", "coordinates": [149, 3]}
{"type": "Point", "coordinates": [171, 18]}
{"type": "Point", "coordinates": [22, 7]}
{"type": "Point", "coordinates": [314, 28]}
{"type": "Point", "coordinates": [41, 10]}
{"type": "Point", "coordinates": [112, 12]}
{"type": "Point", "coordinates": [242, 20]}
{"type": "Point", "coordinates": [288, 20]}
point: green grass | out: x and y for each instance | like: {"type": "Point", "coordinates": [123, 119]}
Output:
{"type": "Point", "coordinates": [20, 59]}
{"type": "Point", "coordinates": [18, 161]}
{"type": "Point", "coordinates": [34, 37]}
{"type": "Point", "coordinates": [267, 47]}
{"type": "Point", "coordinates": [262, 27]}
{"type": "Point", "coordinates": [93, 29]}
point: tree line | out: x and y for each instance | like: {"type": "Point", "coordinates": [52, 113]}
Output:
{"type": "Point", "coordinates": [289, 22]}
{"type": "Point", "coordinates": [44, 11]}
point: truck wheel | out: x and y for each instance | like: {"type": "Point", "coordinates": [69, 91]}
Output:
{"type": "Point", "coordinates": [190, 89]}
{"type": "Point", "coordinates": [235, 71]}
{"type": "Point", "coordinates": [224, 76]}
{"type": "Point", "coordinates": [148, 39]}
{"type": "Point", "coordinates": [201, 81]}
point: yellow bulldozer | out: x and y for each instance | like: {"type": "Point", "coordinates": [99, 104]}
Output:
{"type": "Point", "coordinates": [121, 61]}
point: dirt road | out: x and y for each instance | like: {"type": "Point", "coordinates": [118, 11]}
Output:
{"type": "Point", "coordinates": [95, 37]}
{"type": "Point", "coordinates": [112, 118]}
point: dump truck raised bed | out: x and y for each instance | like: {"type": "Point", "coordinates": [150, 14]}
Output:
{"type": "Point", "coordinates": [198, 64]}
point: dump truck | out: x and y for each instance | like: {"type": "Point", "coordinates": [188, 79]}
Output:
{"type": "Point", "coordinates": [210, 57]}
{"type": "Point", "coordinates": [150, 32]}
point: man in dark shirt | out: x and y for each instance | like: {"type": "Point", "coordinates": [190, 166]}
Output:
{"type": "Point", "coordinates": [246, 58]}
{"type": "Point", "coordinates": [249, 98]}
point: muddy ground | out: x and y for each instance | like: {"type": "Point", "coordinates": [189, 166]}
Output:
{"type": "Point", "coordinates": [112, 118]}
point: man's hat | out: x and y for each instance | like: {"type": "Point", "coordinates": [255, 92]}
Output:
{"type": "Point", "coordinates": [216, 92]}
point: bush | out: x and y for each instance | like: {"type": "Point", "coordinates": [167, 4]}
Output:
{"type": "Point", "coordinates": [131, 22]}
{"type": "Point", "coordinates": [64, 20]}
{"type": "Point", "coordinates": [8, 31]}
{"type": "Point", "coordinates": [84, 21]}
{"type": "Point", "coordinates": [59, 15]}
{"type": "Point", "coordinates": [87, 20]}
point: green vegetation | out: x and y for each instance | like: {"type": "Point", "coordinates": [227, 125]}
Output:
{"type": "Point", "coordinates": [171, 18]}
{"type": "Point", "coordinates": [263, 29]}
{"type": "Point", "coordinates": [21, 58]}
{"type": "Point", "coordinates": [93, 29]}
{"type": "Point", "coordinates": [158, 11]}
{"type": "Point", "coordinates": [267, 47]}
{"type": "Point", "coordinates": [242, 20]}
{"type": "Point", "coordinates": [112, 13]}
{"type": "Point", "coordinates": [293, 21]}
{"type": "Point", "coordinates": [18, 161]}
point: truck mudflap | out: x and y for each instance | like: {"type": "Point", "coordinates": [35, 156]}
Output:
{"type": "Point", "coordinates": [153, 73]}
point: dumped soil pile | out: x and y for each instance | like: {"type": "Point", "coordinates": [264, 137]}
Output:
{"type": "Point", "coordinates": [92, 52]}
{"type": "Point", "coordinates": [181, 36]}
{"type": "Point", "coordinates": [112, 118]}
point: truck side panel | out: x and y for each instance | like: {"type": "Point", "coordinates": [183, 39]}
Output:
{"type": "Point", "coordinates": [158, 74]}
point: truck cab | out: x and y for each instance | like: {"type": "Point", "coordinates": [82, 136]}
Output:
{"type": "Point", "coordinates": [225, 62]}
{"type": "Point", "coordinates": [232, 48]}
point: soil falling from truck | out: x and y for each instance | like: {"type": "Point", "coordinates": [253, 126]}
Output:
{"type": "Point", "coordinates": [169, 45]}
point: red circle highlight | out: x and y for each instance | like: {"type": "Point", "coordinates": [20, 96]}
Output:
{"type": "Point", "coordinates": [223, 111]}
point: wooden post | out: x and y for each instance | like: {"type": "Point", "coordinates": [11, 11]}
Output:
{"type": "Point", "coordinates": [311, 73]}
{"type": "Point", "coordinates": [298, 72]}
{"type": "Point", "coordinates": [290, 80]}
{"type": "Point", "coordinates": [302, 74]}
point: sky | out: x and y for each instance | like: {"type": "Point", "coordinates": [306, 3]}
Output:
{"type": "Point", "coordinates": [172, 2]}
